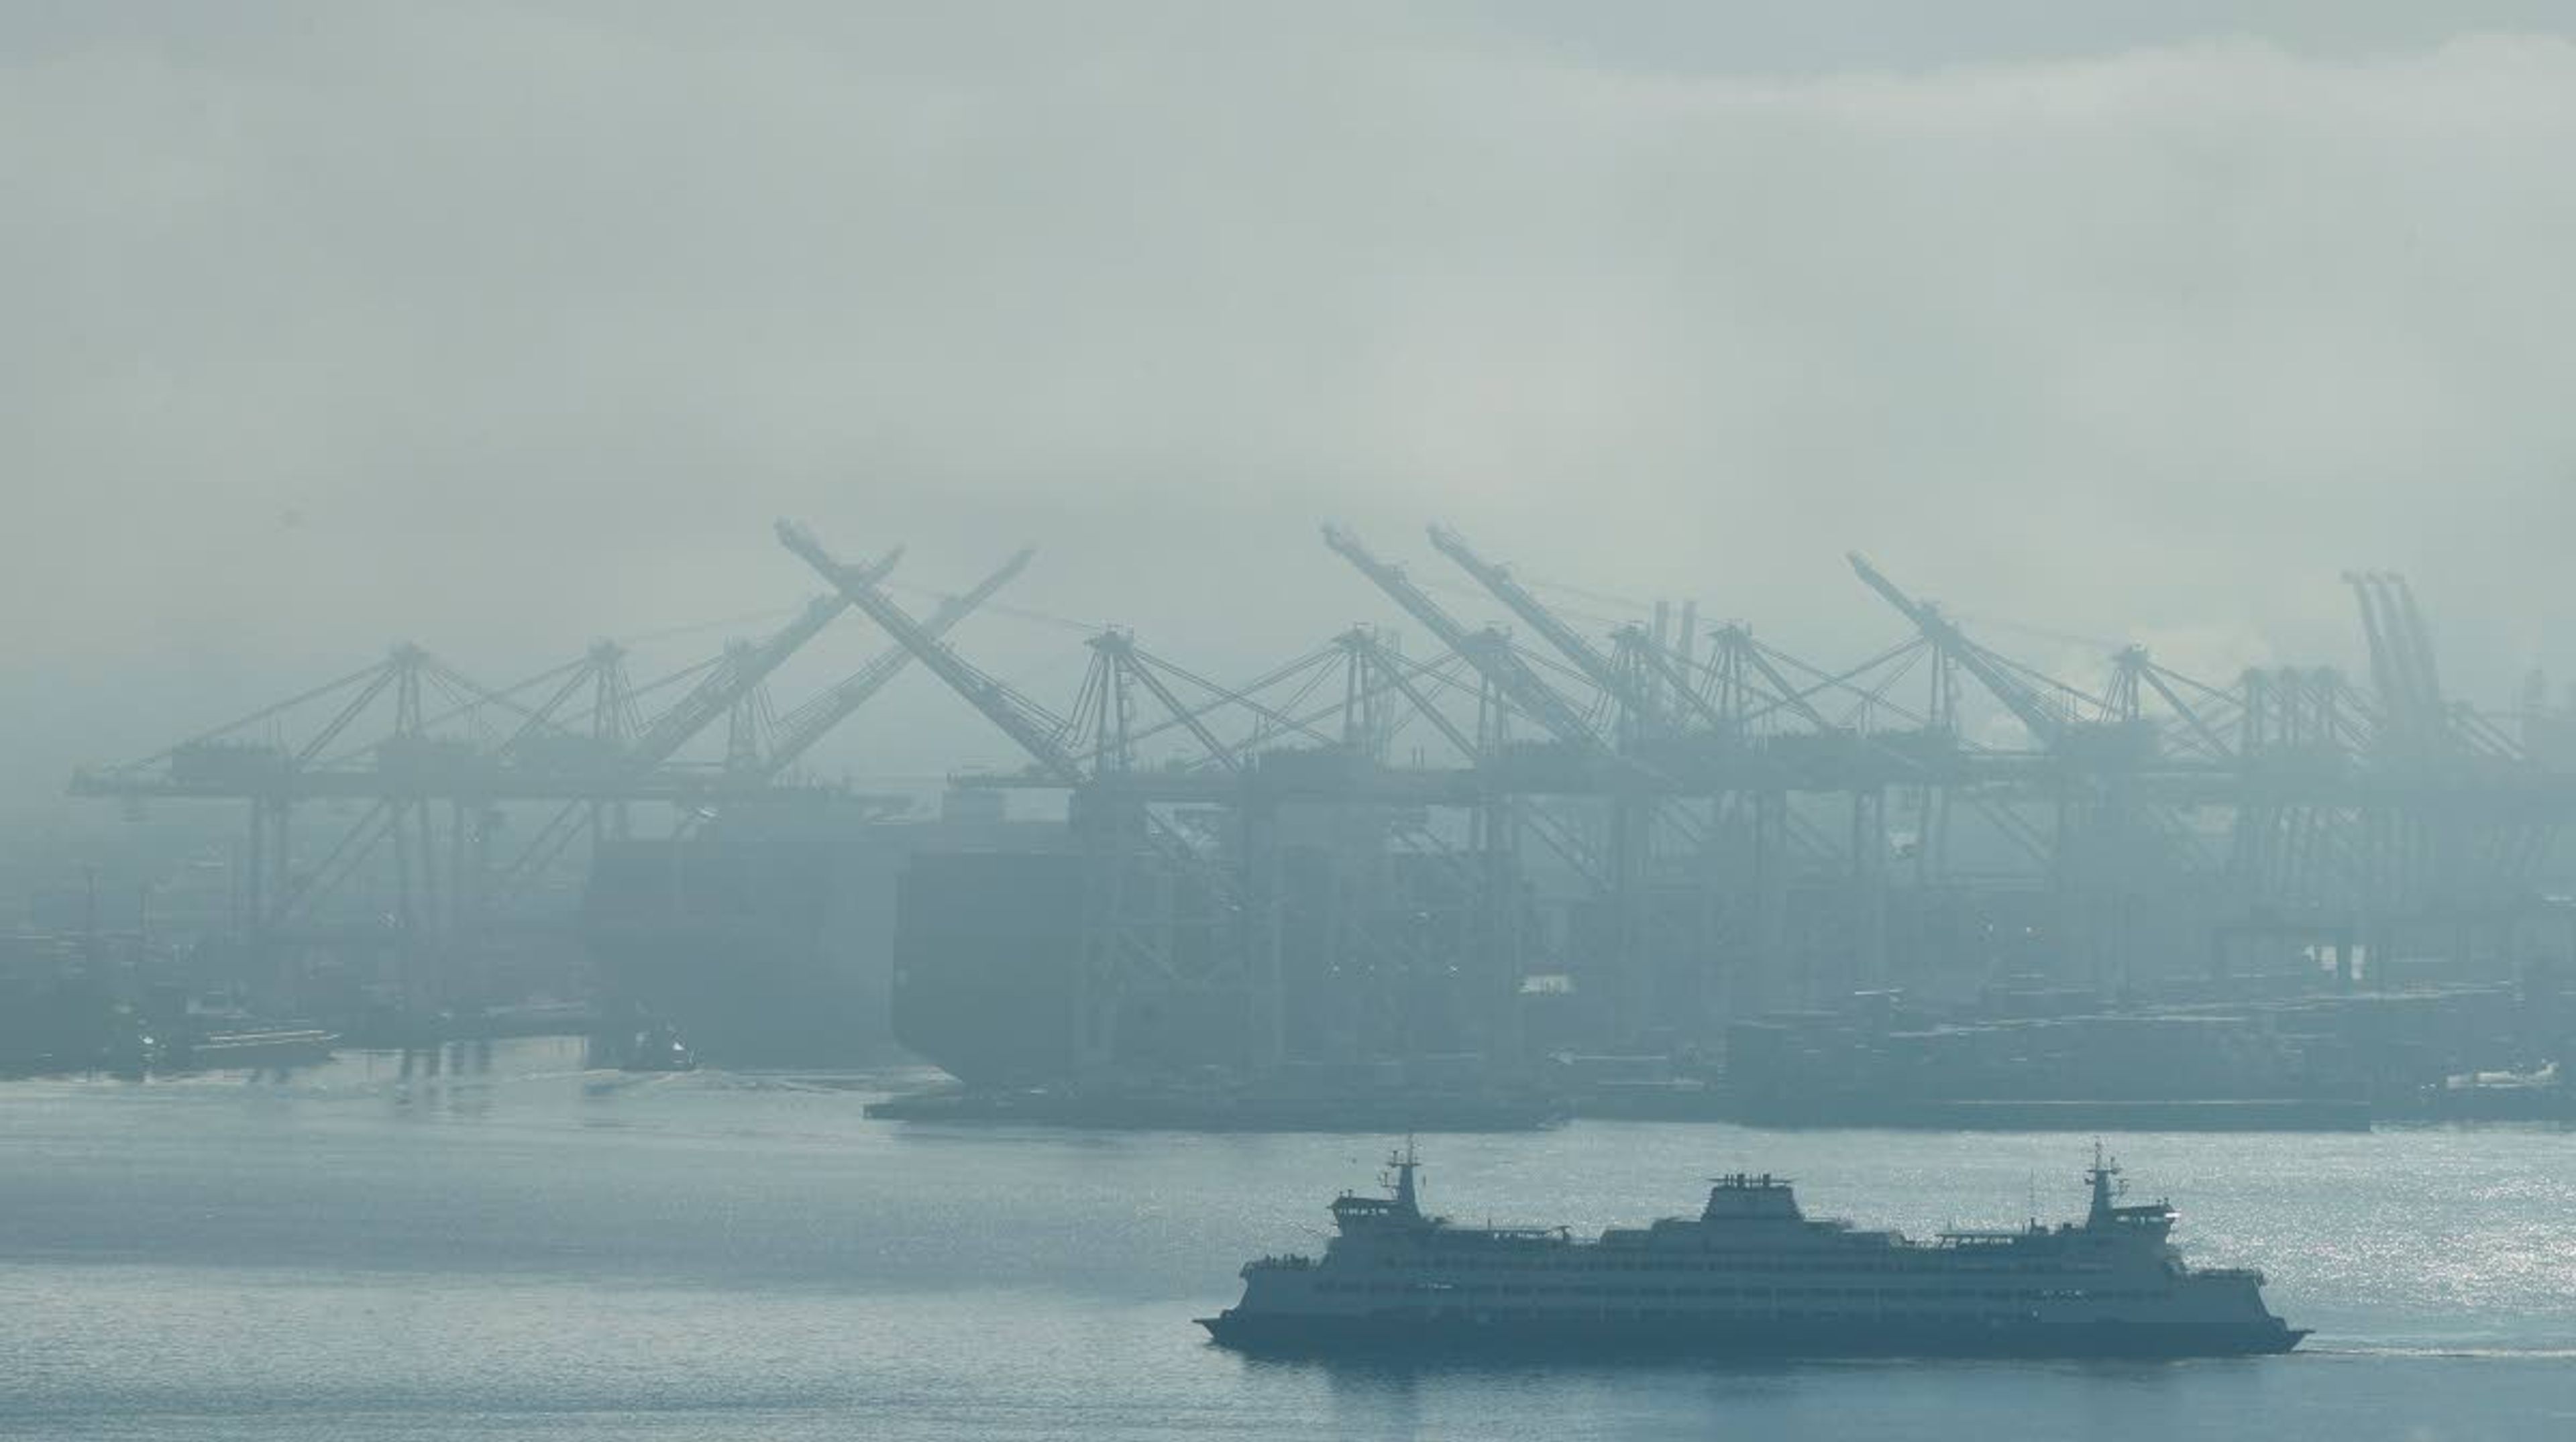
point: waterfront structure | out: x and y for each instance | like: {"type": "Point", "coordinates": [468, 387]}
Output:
{"type": "Point", "coordinates": [1656, 839]}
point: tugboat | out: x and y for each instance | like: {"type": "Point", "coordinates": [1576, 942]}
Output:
{"type": "Point", "coordinates": [658, 1047]}
{"type": "Point", "coordinates": [1750, 1275]}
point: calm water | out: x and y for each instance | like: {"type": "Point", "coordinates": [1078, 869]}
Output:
{"type": "Point", "coordinates": [515, 1248]}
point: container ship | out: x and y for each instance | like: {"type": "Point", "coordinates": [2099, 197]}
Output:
{"type": "Point", "coordinates": [768, 935]}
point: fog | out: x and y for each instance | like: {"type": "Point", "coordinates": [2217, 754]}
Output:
{"type": "Point", "coordinates": [392, 1068]}
{"type": "Point", "coordinates": [499, 328]}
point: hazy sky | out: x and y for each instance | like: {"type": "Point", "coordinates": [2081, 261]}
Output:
{"type": "Point", "coordinates": [499, 327]}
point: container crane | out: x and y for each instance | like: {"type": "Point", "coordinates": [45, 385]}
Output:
{"type": "Point", "coordinates": [1014, 715]}
{"type": "Point", "coordinates": [1129, 928]}
{"type": "Point", "coordinates": [726, 684]}
{"type": "Point", "coordinates": [2401, 658]}
{"type": "Point", "coordinates": [1597, 668]}
{"type": "Point", "coordinates": [1510, 675]}
{"type": "Point", "coordinates": [743, 669]}
{"type": "Point", "coordinates": [2026, 704]}
{"type": "Point", "coordinates": [800, 729]}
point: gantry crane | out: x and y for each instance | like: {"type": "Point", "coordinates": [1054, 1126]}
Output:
{"type": "Point", "coordinates": [801, 728]}
{"type": "Point", "coordinates": [1013, 714]}
{"type": "Point", "coordinates": [1129, 854]}
{"type": "Point", "coordinates": [399, 773]}
{"type": "Point", "coordinates": [2046, 723]}
{"type": "Point", "coordinates": [737, 675]}
{"type": "Point", "coordinates": [1487, 651]}
{"type": "Point", "coordinates": [1587, 658]}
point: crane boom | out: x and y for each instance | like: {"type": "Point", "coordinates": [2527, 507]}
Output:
{"type": "Point", "coordinates": [1012, 714]}
{"type": "Point", "coordinates": [2017, 698]}
{"type": "Point", "coordinates": [2191, 717]}
{"type": "Point", "coordinates": [1508, 672]}
{"type": "Point", "coordinates": [1587, 658]}
{"type": "Point", "coordinates": [2388, 674]}
{"type": "Point", "coordinates": [742, 670]}
{"type": "Point", "coordinates": [809, 723]}
{"type": "Point", "coordinates": [2428, 716]}
{"type": "Point", "coordinates": [1668, 668]}
{"type": "Point", "coordinates": [2416, 638]}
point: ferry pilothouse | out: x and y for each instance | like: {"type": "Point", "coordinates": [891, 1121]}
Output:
{"type": "Point", "coordinates": [1750, 1274]}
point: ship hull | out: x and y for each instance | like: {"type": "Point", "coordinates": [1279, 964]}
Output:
{"type": "Point", "coordinates": [1597, 1337]}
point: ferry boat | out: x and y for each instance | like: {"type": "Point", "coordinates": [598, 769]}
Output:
{"type": "Point", "coordinates": [1750, 1275]}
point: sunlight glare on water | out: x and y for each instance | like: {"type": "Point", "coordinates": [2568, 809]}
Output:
{"type": "Point", "coordinates": [511, 1247]}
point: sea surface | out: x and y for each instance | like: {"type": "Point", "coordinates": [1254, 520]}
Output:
{"type": "Point", "coordinates": [493, 1243]}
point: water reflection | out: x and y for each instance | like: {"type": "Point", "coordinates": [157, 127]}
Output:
{"type": "Point", "coordinates": [451, 1078]}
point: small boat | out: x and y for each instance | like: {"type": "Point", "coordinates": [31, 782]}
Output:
{"type": "Point", "coordinates": [257, 1049]}
{"type": "Point", "coordinates": [658, 1047]}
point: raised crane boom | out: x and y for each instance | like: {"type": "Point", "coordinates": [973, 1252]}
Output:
{"type": "Point", "coordinates": [1587, 658]}
{"type": "Point", "coordinates": [2416, 638]}
{"type": "Point", "coordinates": [2388, 676]}
{"type": "Point", "coordinates": [801, 728]}
{"type": "Point", "coordinates": [2401, 657]}
{"type": "Point", "coordinates": [1507, 672]}
{"type": "Point", "coordinates": [1598, 668]}
{"type": "Point", "coordinates": [1015, 715]}
{"type": "Point", "coordinates": [2045, 724]}
{"type": "Point", "coordinates": [729, 682]}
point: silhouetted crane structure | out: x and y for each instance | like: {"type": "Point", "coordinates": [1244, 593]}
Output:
{"type": "Point", "coordinates": [796, 733]}
{"type": "Point", "coordinates": [1174, 913]}
{"type": "Point", "coordinates": [729, 687]}
{"type": "Point", "coordinates": [436, 761]}
{"type": "Point", "coordinates": [409, 774]}
{"type": "Point", "coordinates": [1673, 825]}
